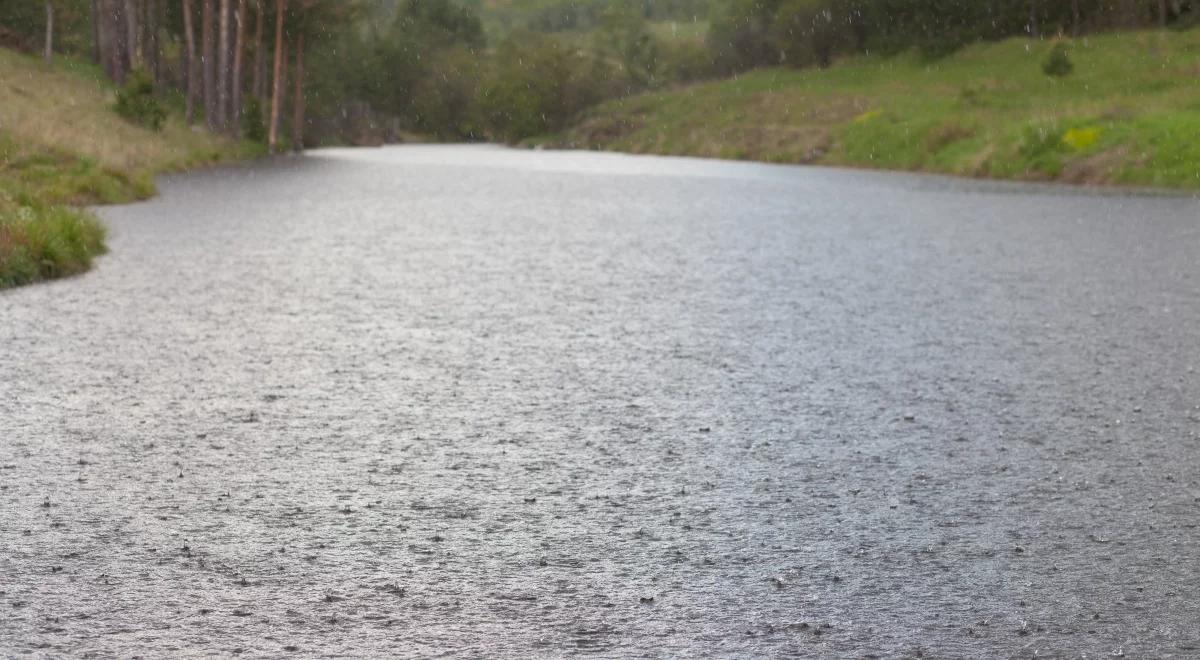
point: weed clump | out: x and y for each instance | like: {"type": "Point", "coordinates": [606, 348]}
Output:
{"type": "Point", "coordinates": [137, 103]}
{"type": "Point", "coordinates": [1058, 64]}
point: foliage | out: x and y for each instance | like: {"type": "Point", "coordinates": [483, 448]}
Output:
{"type": "Point", "coordinates": [807, 33]}
{"type": "Point", "coordinates": [137, 103]}
{"type": "Point", "coordinates": [740, 36]}
{"type": "Point", "coordinates": [254, 124]}
{"type": "Point", "coordinates": [1058, 64]}
{"type": "Point", "coordinates": [625, 37]}
{"type": "Point", "coordinates": [444, 102]}
{"type": "Point", "coordinates": [538, 85]}
{"type": "Point", "coordinates": [23, 25]}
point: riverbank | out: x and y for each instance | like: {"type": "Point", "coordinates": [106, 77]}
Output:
{"type": "Point", "coordinates": [62, 147]}
{"type": "Point", "coordinates": [1126, 114]}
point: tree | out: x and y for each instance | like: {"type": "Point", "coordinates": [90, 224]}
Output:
{"type": "Point", "coordinates": [258, 87]}
{"type": "Point", "coordinates": [623, 35]}
{"type": "Point", "coordinates": [133, 38]}
{"type": "Point", "coordinates": [95, 16]}
{"type": "Point", "coordinates": [238, 56]}
{"type": "Point", "coordinates": [189, 34]}
{"type": "Point", "coordinates": [49, 49]}
{"type": "Point", "coordinates": [277, 81]}
{"type": "Point", "coordinates": [298, 96]}
{"type": "Point", "coordinates": [208, 62]}
{"type": "Point", "coordinates": [807, 33]}
{"type": "Point", "coordinates": [223, 67]}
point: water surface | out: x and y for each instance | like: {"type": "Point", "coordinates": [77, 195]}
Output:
{"type": "Point", "coordinates": [531, 404]}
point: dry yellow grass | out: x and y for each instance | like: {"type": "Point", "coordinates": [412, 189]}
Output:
{"type": "Point", "coordinates": [67, 108]}
{"type": "Point", "coordinates": [61, 144]}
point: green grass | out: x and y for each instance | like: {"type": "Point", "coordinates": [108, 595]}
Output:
{"type": "Point", "coordinates": [62, 146]}
{"type": "Point", "coordinates": [1129, 114]}
{"type": "Point", "coordinates": [44, 242]}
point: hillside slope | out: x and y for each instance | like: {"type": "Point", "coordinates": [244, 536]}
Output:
{"type": "Point", "coordinates": [1128, 114]}
{"type": "Point", "coordinates": [61, 146]}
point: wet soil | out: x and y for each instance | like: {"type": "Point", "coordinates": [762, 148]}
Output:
{"type": "Point", "coordinates": [492, 403]}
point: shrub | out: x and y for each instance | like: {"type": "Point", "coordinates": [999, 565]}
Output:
{"type": "Point", "coordinates": [254, 126]}
{"type": "Point", "coordinates": [808, 33]}
{"type": "Point", "coordinates": [538, 86]}
{"type": "Point", "coordinates": [443, 104]}
{"type": "Point", "coordinates": [1057, 63]}
{"type": "Point", "coordinates": [137, 103]}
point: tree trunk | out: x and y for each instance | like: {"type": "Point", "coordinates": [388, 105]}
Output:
{"type": "Point", "coordinates": [1162, 14]}
{"type": "Point", "coordinates": [104, 41]}
{"type": "Point", "coordinates": [208, 47]}
{"type": "Point", "coordinates": [133, 38]}
{"type": "Point", "coordinates": [277, 83]}
{"type": "Point", "coordinates": [1034, 31]}
{"type": "Point", "coordinates": [298, 96]}
{"type": "Point", "coordinates": [96, 31]}
{"type": "Point", "coordinates": [260, 90]}
{"type": "Point", "coordinates": [153, 54]}
{"type": "Point", "coordinates": [223, 65]}
{"type": "Point", "coordinates": [1076, 19]}
{"type": "Point", "coordinates": [114, 46]}
{"type": "Point", "coordinates": [49, 54]}
{"type": "Point", "coordinates": [238, 55]}
{"type": "Point", "coordinates": [189, 37]}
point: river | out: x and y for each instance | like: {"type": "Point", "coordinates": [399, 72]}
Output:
{"type": "Point", "coordinates": [489, 402]}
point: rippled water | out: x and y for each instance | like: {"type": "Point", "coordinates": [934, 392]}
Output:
{"type": "Point", "coordinates": [531, 404]}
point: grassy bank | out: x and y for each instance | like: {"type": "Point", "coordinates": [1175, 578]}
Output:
{"type": "Point", "coordinates": [1128, 114]}
{"type": "Point", "coordinates": [61, 147]}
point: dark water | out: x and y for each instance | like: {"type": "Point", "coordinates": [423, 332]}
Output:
{"type": "Point", "coordinates": [487, 403]}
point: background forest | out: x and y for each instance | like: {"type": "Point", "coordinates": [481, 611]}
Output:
{"type": "Point", "coordinates": [368, 71]}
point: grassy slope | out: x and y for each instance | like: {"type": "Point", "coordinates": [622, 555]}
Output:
{"type": "Point", "coordinates": [1129, 114]}
{"type": "Point", "coordinates": [61, 145]}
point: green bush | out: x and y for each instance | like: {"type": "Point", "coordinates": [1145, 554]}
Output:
{"type": "Point", "coordinates": [41, 243]}
{"type": "Point", "coordinates": [137, 103]}
{"type": "Point", "coordinates": [807, 33]}
{"type": "Point", "coordinates": [254, 125]}
{"type": "Point", "coordinates": [538, 86]}
{"type": "Point", "coordinates": [1057, 64]}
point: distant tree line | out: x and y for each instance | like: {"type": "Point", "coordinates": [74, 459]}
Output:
{"type": "Point", "coordinates": [227, 59]}
{"type": "Point", "coordinates": [365, 71]}
{"type": "Point", "coordinates": [752, 33]}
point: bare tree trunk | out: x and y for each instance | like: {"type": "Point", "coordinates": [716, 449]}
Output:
{"type": "Point", "coordinates": [298, 96]}
{"type": "Point", "coordinates": [208, 63]}
{"type": "Point", "coordinates": [96, 31]}
{"type": "Point", "coordinates": [189, 37]}
{"type": "Point", "coordinates": [223, 65]}
{"type": "Point", "coordinates": [49, 54]}
{"type": "Point", "coordinates": [132, 34]}
{"type": "Point", "coordinates": [114, 40]}
{"type": "Point", "coordinates": [260, 89]}
{"type": "Point", "coordinates": [104, 41]}
{"type": "Point", "coordinates": [238, 55]}
{"type": "Point", "coordinates": [1162, 14]}
{"type": "Point", "coordinates": [1076, 18]}
{"type": "Point", "coordinates": [153, 49]}
{"type": "Point", "coordinates": [1034, 31]}
{"type": "Point", "coordinates": [277, 83]}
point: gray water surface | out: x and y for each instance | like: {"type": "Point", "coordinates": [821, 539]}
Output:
{"type": "Point", "coordinates": [495, 403]}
